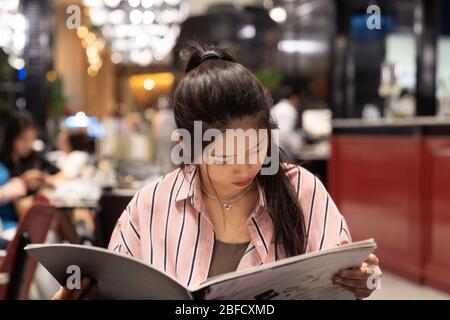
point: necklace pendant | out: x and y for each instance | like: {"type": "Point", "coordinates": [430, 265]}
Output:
{"type": "Point", "coordinates": [227, 206]}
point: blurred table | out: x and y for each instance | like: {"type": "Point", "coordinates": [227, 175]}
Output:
{"type": "Point", "coordinates": [107, 208]}
{"type": "Point", "coordinates": [84, 204]}
{"type": "Point", "coordinates": [314, 157]}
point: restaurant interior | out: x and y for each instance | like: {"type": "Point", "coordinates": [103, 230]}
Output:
{"type": "Point", "coordinates": [369, 82]}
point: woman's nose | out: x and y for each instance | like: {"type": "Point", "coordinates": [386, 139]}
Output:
{"type": "Point", "coordinates": [242, 170]}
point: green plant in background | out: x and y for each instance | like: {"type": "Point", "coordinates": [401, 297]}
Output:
{"type": "Point", "coordinates": [270, 78]}
{"type": "Point", "coordinates": [56, 103]}
{"type": "Point", "coordinates": [5, 69]}
{"type": "Point", "coordinates": [6, 74]}
{"type": "Point", "coordinates": [56, 99]}
{"type": "Point", "coordinates": [3, 108]}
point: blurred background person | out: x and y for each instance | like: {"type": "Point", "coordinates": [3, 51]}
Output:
{"type": "Point", "coordinates": [163, 126]}
{"type": "Point", "coordinates": [286, 113]}
{"type": "Point", "coordinates": [17, 153]}
{"type": "Point", "coordinates": [19, 159]}
{"type": "Point", "coordinates": [12, 189]}
{"type": "Point", "coordinates": [112, 130]}
{"type": "Point", "coordinates": [137, 145]}
{"type": "Point", "coordinates": [72, 155]}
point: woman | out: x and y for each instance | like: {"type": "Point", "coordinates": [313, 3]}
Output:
{"type": "Point", "coordinates": [72, 156]}
{"type": "Point", "coordinates": [19, 166]}
{"type": "Point", "coordinates": [16, 152]}
{"type": "Point", "coordinates": [12, 189]}
{"type": "Point", "coordinates": [20, 160]}
{"type": "Point", "coordinates": [209, 218]}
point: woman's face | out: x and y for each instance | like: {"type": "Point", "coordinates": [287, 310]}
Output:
{"type": "Point", "coordinates": [235, 160]}
{"type": "Point", "coordinates": [23, 144]}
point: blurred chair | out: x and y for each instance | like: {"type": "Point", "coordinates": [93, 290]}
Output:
{"type": "Point", "coordinates": [16, 268]}
{"type": "Point", "coordinates": [111, 207]}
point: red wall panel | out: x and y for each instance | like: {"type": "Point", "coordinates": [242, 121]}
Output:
{"type": "Point", "coordinates": [375, 181]}
{"type": "Point", "coordinates": [437, 180]}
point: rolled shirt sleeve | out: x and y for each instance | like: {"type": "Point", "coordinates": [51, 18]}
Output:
{"type": "Point", "coordinates": [126, 237]}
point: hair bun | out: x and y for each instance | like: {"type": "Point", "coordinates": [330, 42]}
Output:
{"type": "Point", "coordinates": [200, 53]}
{"type": "Point", "coordinates": [209, 55]}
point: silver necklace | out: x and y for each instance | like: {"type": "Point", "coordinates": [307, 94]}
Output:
{"type": "Point", "coordinates": [227, 202]}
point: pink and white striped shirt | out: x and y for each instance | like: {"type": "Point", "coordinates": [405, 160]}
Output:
{"type": "Point", "coordinates": [166, 225]}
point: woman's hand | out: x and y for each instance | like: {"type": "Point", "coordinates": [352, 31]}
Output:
{"type": "Point", "coordinates": [87, 291]}
{"type": "Point", "coordinates": [357, 280]}
{"type": "Point", "coordinates": [52, 180]}
{"type": "Point", "coordinates": [33, 179]}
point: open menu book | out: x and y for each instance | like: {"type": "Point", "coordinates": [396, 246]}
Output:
{"type": "Point", "coordinates": [307, 276]}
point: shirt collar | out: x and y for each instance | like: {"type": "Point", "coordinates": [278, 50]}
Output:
{"type": "Point", "coordinates": [259, 221]}
{"type": "Point", "coordinates": [190, 182]}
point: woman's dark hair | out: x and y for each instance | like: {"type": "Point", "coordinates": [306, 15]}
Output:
{"type": "Point", "coordinates": [78, 140]}
{"type": "Point", "coordinates": [16, 123]}
{"type": "Point", "coordinates": [217, 90]}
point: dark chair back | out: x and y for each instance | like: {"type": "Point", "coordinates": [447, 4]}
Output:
{"type": "Point", "coordinates": [17, 264]}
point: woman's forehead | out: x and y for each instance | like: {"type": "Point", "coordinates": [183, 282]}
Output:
{"type": "Point", "coordinates": [232, 141]}
{"type": "Point", "coordinates": [28, 132]}
{"type": "Point", "coordinates": [243, 123]}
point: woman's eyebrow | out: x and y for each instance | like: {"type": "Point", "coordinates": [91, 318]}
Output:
{"type": "Point", "coordinates": [259, 143]}
{"type": "Point", "coordinates": [250, 149]}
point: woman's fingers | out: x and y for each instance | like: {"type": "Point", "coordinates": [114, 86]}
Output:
{"type": "Point", "coordinates": [77, 293]}
{"type": "Point", "coordinates": [363, 272]}
{"type": "Point", "coordinates": [358, 292]}
{"type": "Point", "coordinates": [355, 273]}
{"type": "Point", "coordinates": [62, 294]}
{"type": "Point", "coordinates": [91, 294]}
{"type": "Point", "coordinates": [356, 279]}
{"type": "Point", "coordinates": [372, 260]}
{"type": "Point", "coordinates": [67, 294]}
{"type": "Point", "coordinates": [360, 283]}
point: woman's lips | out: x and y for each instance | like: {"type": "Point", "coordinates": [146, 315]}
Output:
{"type": "Point", "coordinates": [243, 183]}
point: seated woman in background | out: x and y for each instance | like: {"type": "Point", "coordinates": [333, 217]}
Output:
{"type": "Point", "coordinates": [16, 152]}
{"type": "Point", "coordinates": [18, 160]}
{"type": "Point", "coordinates": [12, 189]}
{"type": "Point", "coordinates": [71, 157]}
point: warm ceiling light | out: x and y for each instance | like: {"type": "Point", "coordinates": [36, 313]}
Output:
{"type": "Point", "coordinates": [116, 58]}
{"type": "Point", "coordinates": [90, 38]}
{"type": "Point", "coordinates": [82, 32]}
{"type": "Point", "coordinates": [92, 71]}
{"type": "Point", "coordinates": [134, 3]}
{"type": "Point", "coordinates": [149, 84]}
{"type": "Point", "coordinates": [51, 76]}
{"type": "Point", "coordinates": [163, 80]}
{"type": "Point", "coordinates": [278, 14]}
{"type": "Point", "coordinates": [91, 51]}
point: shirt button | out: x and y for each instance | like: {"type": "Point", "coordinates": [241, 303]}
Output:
{"type": "Point", "coordinates": [259, 243]}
